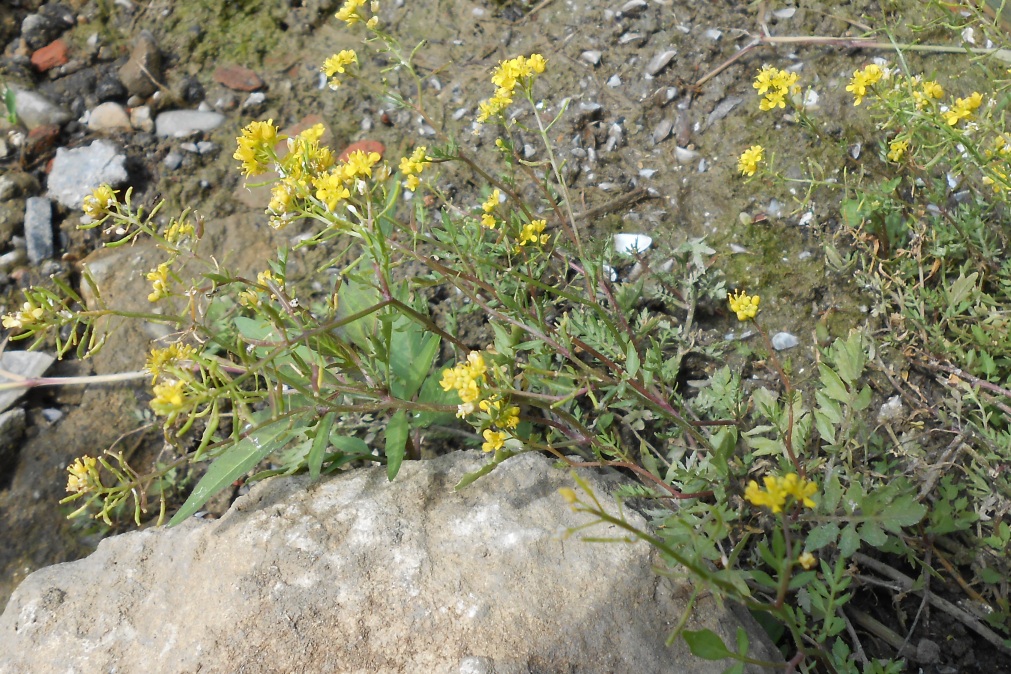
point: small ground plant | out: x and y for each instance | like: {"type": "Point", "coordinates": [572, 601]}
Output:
{"type": "Point", "coordinates": [766, 495]}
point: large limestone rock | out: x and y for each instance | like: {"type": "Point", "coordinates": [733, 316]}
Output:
{"type": "Point", "coordinates": [353, 574]}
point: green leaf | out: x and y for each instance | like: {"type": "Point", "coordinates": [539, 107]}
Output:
{"type": "Point", "coordinates": [736, 668]}
{"type": "Point", "coordinates": [872, 534]}
{"type": "Point", "coordinates": [706, 644]}
{"type": "Point", "coordinates": [235, 462]}
{"type": "Point", "coordinates": [396, 443]}
{"type": "Point", "coordinates": [320, 444]}
{"type": "Point", "coordinates": [742, 642]}
{"type": "Point", "coordinates": [962, 287]}
{"type": "Point", "coordinates": [833, 385]}
{"type": "Point", "coordinates": [631, 359]}
{"type": "Point", "coordinates": [411, 359]}
{"type": "Point", "coordinates": [849, 542]}
{"type": "Point", "coordinates": [468, 479]}
{"type": "Point", "coordinates": [902, 512]}
{"type": "Point", "coordinates": [822, 535]}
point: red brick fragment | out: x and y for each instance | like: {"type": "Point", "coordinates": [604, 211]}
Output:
{"type": "Point", "coordinates": [238, 78]}
{"type": "Point", "coordinates": [51, 56]}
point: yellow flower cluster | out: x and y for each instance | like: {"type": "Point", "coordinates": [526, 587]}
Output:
{"type": "Point", "coordinates": [83, 475]}
{"type": "Point", "coordinates": [928, 91]}
{"type": "Point", "coordinates": [488, 220]}
{"type": "Point", "coordinates": [413, 166]}
{"type": "Point", "coordinates": [533, 233]}
{"type": "Point", "coordinates": [337, 64]}
{"type": "Point", "coordinates": [862, 79]}
{"type": "Point", "coordinates": [28, 315]}
{"type": "Point", "coordinates": [745, 306]}
{"type": "Point", "coordinates": [159, 360]}
{"type": "Point", "coordinates": [774, 85]}
{"type": "Point", "coordinates": [503, 418]}
{"type": "Point", "coordinates": [159, 279]}
{"type": "Point", "coordinates": [493, 440]}
{"type": "Point", "coordinates": [896, 149]}
{"type": "Point", "coordinates": [749, 160]}
{"type": "Point", "coordinates": [179, 230]}
{"type": "Point", "coordinates": [169, 398]}
{"type": "Point", "coordinates": [360, 163]}
{"type": "Point", "coordinates": [963, 108]}
{"type": "Point", "coordinates": [779, 490]}
{"type": "Point", "coordinates": [351, 13]}
{"type": "Point", "coordinates": [519, 71]}
{"type": "Point", "coordinates": [256, 147]}
{"type": "Point", "coordinates": [466, 379]}
{"type": "Point", "coordinates": [99, 203]}
{"type": "Point", "coordinates": [997, 168]}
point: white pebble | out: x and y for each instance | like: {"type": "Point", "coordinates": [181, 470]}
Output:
{"type": "Point", "coordinates": [784, 340]}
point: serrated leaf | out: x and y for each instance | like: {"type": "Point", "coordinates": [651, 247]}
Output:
{"type": "Point", "coordinates": [233, 463]}
{"type": "Point", "coordinates": [902, 512]}
{"type": "Point", "coordinates": [320, 444]}
{"type": "Point", "coordinates": [396, 443]}
{"type": "Point", "coordinates": [849, 541]}
{"type": "Point", "coordinates": [822, 535]}
{"type": "Point", "coordinates": [825, 426]}
{"type": "Point", "coordinates": [832, 384]}
{"type": "Point", "coordinates": [706, 644]}
{"type": "Point", "coordinates": [961, 288]}
{"type": "Point", "coordinates": [872, 534]}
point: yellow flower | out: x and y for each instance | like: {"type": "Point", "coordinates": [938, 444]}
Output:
{"type": "Point", "coordinates": [494, 440]}
{"type": "Point", "coordinates": [26, 317]}
{"type": "Point", "coordinates": [159, 279]}
{"type": "Point", "coordinates": [963, 108]}
{"type": "Point", "coordinates": [510, 418]}
{"type": "Point", "coordinates": [749, 160]}
{"type": "Point", "coordinates": [466, 379]}
{"type": "Point", "coordinates": [929, 90]}
{"type": "Point", "coordinates": [896, 149]}
{"type": "Point", "coordinates": [160, 359]}
{"type": "Point", "coordinates": [807, 560]}
{"type": "Point", "coordinates": [83, 475]}
{"type": "Point", "coordinates": [414, 165]}
{"type": "Point", "coordinates": [169, 398]}
{"type": "Point", "coordinates": [336, 64]}
{"type": "Point", "coordinates": [256, 147]}
{"type": "Point", "coordinates": [488, 221]}
{"type": "Point", "coordinates": [532, 233]}
{"type": "Point", "coordinates": [250, 297]}
{"type": "Point", "coordinates": [774, 84]}
{"type": "Point", "coordinates": [519, 71]}
{"type": "Point", "coordinates": [349, 13]}
{"type": "Point", "coordinates": [330, 189]}
{"type": "Point", "coordinates": [745, 306]}
{"type": "Point", "coordinates": [779, 490]}
{"type": "Point", "coordinates": [178, 230]}
{"type": "Point", "coordinates": [492, 201]}
{"type": "Point", "coordinates": [99, 203]}
{"type": "Point", "coordinates": [862, 79]}
{"type": "Point", "coordinates": [360, 163]}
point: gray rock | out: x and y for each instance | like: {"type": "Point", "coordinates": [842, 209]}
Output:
{"type": "Point", "coordinates": [12, 430]}
{"type": "Point", "coordinates": [109, 116]}
{"type": "Point", "coordinates": [354, 574]}
{"type": "Point", "coordinates": [39, 229]}
{"type": "Point", "coordinates": [172, 160]}
{"type": "Point", "coordinates": [181, 123]}
{"type": "Point", "coordinates": [76, 173]}
{"type": "Point", "coordinates": [40, 29]}
{"type": "Point", "coordinates": [12, 217]}
{"type": "Point", "coordinates": [35, 110]}
{"type": "Point", "coordinates": [139, 73]}
{"type": "Point", "coordinates": [27, 364]}
{"type": "Point", "coordinates": [784, 340]}
{"type": "Point", "coordinates": [591, 56]}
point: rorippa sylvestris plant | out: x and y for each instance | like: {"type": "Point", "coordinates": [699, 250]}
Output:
{"type": "Point", "coordinates": [578, 364]}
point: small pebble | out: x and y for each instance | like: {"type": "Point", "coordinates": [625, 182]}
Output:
{"type": "Point", "coordinates": [684, 155]}
{"type": "Point", "coordinates": [255, 99]}
{"type": "Point", "coordinates": [172, 161]}
{"type": "Point", "coordinates": [614, 81]}
{"type": "Point", "coordinates": [659, 62]}
{"type": "Point", "coordinates": [51, 414]}
{"type": "Point", "coordinates": [647, 173]}
{"type": "Point", "coordinates": [662, 130]}
{"type": "Point", "coordinates": [633, 7]}
{"type": "Point", "coordinates": [784, 340]}
{"type": "Point", "coordinates": [109, 116]}
{"type": "Point", "coordinates": [592, 57]}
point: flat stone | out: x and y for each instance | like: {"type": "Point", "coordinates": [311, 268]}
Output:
{"type": "Point", "coordinates": [238, 78]}
{"type": "Point", "coordinates": [39, 229]}
{"type": "Point", "coordinates": [109, 116]}
{"type": "Point", "coordinates": [181, 123]}
{"type": "Point", "coordinates": [51, 56]}
{"type": "Point", "coordinates": [35, 110]}
{"type": "Point", "coordinates": [412, 575]}
{"type": "Point", "coordinates": [139, 73]}
{"type": "Point", "coordinates": [784, 340]}
{"type": "Point", "coordinates": [28, 364]}
{"type": "Point", "coordinates": [76, 173]}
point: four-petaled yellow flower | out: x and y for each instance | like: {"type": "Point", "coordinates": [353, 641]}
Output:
{"type": "Point", "coordinates": [780, 490]}
{"type": "Point", "coordinates": [83, 474]}
{"type": "Point", "coordinates": [160, 359]}
{"type": "Point", "coordinates": [99, 203]}
{"type": "Point", "coordinates": [896, 149]}
{"type": "Point", "coordinates": [929, 90]}
{"type": "Point", "coordinates": [862, 79]}
{"type": "Point", "coordinates": [807, 560]}
{"type": "Point", "coordinates": [159, 279]}
{"type": "Point", "coordinates": [963, 108]}
{"type": "Point", "coordinates": [412, 166]}
{"type": "Point", "coordinates": [26, 317]}
{"type": "Point", "coordinates": [533, 233]}
{"type": "Point", "coordinates": [744, 305]}
{"type": "Point", "coordinates": [336, 64]}
{"type": "Point", "coordinates": [749, 160]}
{"type": "Point", "coordinates": [330, 189]}
{"type": "Point", "coordinates": [169, 398]}
{"type": "Point", "coordinates": [360, 163]}
{"type": "Point", "coordinates": [774, 85]}
{"type": "Point", "coordinates": [256, 147]}
{"type": "Point", "coordinates": [494, 440]}
{"type": "Point", "coordinates": [519, 71]}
